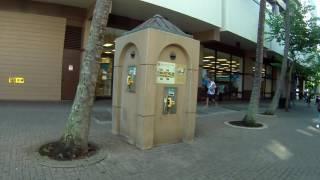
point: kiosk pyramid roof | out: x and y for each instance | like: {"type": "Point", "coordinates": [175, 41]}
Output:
{"type": "Point", "coordinates": [160, 23]}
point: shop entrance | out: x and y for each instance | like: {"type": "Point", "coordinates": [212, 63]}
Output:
{"type": "Point", "coordinates": [104, 81]}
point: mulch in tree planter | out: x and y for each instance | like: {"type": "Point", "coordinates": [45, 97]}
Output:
{"type": "Point", "coordinates": [244, 124]}
{"type": "Point", "coordinates": [61, 152]}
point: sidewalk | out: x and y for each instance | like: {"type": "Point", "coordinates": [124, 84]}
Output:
{"type": "Point", "coordinates": [228, 106]}
{"type": "Point", "coordinates": [288, 149]}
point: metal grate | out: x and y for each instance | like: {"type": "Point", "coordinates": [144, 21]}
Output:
{"type": "Point", "coordinates": [73, 37]}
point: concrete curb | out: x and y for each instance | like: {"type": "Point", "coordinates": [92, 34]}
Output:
{"type": "Point", "coordinates": [45, 161]}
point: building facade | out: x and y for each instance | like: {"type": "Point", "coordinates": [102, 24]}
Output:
{"type": "Point", "coordinates": [42, 41]}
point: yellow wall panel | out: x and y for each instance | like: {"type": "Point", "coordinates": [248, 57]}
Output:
{"type": "Point", "coordinates": [31, 46]}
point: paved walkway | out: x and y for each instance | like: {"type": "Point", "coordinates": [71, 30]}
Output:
{"type": "Point", "coordinates": [288, 149]}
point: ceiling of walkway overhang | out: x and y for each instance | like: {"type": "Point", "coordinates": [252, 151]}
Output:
{"type": "Point", "coordinates": [141, 10]}
{"type": "Point", "coordinates": [234, 40]}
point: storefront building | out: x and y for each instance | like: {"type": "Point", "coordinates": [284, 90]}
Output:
{"type": "Point", "coordinates": [42, 43]}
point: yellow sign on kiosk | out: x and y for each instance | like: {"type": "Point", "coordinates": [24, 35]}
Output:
{"type": "Point", "coordinates": [171, 73]}
{"type": "Point", "coordinates": [16, 80]}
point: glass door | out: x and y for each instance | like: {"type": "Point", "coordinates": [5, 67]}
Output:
{"type": "Point", "coordinates": [104, 83]}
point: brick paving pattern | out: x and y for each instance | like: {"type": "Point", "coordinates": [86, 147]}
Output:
{"type": "Point", "coordinates": [288, 149]}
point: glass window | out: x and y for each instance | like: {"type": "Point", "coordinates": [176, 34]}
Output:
{"type": "Point", "coordinates": [208, 62]}
{"type": "Point", "coordinates": [236, 77]}
{"type": "Point", "coordinates": [226, 70]}
{"type": "Point", "coordinates": [104, 82]}
{"type": "Point", "coordinates": [249, 66]}
{"type": "Point", "coordinates": [236, 64]}
{"type": "Point", "coordinates": [236, 85]}
{"type": "Point", "coordinates": [268, 88]}
{"type": "Point", "coordinates": [223, 62]}
{"type": "Point", "coordinates": [223, 75]}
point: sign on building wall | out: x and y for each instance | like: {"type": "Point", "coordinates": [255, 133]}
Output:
{"type": "Point", "coordinates": [16, 80]}
{"type": "Point", "coordinates": [171, 73]}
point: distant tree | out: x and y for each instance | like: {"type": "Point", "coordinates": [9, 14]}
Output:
{"type": "Point", "coordinates": [311, 71]}
{"type": "Point", "coordinates": [274, 103]}
{"type": "Point", "coordinates": [250, 117]}
{"type": "Point", "coordinates": [304, 38]}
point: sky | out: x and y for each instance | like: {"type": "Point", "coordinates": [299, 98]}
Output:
{"type": "Point", "coordinates": [318, 8]}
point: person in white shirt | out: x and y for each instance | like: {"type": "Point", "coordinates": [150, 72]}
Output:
{"type": "Point", "coordinates": [211, 92]}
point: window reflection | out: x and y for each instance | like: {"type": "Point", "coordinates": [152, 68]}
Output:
{"type": "Point", "coordinates": [228, 76]}
{"type": "Point", "coordinates": [223, 61]}
{"type": "Point", "coordinates": [226, 70]}
{"type": "Point", "coordinates": [208, 62]}
{"type": "Point", "coordinates": [236, 64]}
{"type": "Point", "coordinates": [268, 75]}
{"type": "Point", "coordinates": [249, 66]}
{"type": "Point", "coordinates": [104, 81]}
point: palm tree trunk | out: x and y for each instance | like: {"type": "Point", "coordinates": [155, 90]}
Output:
{"type": "Point", "coordinates": [77, 128]}
{"type": "Point", "coordinates": [250, 118]}
{"type": "Point", "coordinates": [289, 87]}
{"type": "Point", "coordinates": [275, 100]}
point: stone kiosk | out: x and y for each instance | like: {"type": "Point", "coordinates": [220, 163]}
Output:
{"type": "Point", "coordinates": [155, 84]}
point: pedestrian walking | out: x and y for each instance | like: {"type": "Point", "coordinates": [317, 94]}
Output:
{"type": "Point", "coordinates": [309, 100]}
{"type": "Point", "coordinates": [211, 85]}
{"type": "Point", "coordinates": [317, 99]}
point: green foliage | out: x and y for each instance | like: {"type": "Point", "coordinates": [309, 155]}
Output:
{"type": "Point", "coordinates": [312, 70]}
{"type": "Point", "coordinates": [304, 39]}
{"type": "Point", "coordinates": [305, 33]}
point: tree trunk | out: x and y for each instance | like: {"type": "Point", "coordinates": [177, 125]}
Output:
{"type": "Point", "coordinates": [250, 117]}
{"type": "Point", "coordinates": [289, 87]}
{"type": "Point", "coordinates": [77, 128]}
{"type": "Point", "coordinates": [275, 100]}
